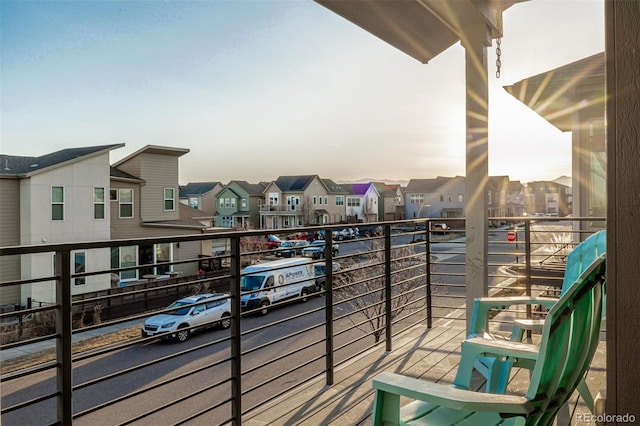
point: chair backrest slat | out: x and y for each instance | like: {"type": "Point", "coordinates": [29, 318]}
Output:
{"type": "Point", "coordinates": [568, 344]}
{"type": "Point", "coordinates": [582, 256]}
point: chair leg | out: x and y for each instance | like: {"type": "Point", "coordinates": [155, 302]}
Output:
{"type": "Point", "coordinates": [386, 409]}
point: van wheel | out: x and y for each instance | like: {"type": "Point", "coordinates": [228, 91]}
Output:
{"type": "Point", "coordinates": [304, 295]}
{"type": "Point", "coordinates": [263, 307]}
{"type": "Point", "coordinates": [225, 322]}
{"type": "Point", "coordinates": [183, 333]}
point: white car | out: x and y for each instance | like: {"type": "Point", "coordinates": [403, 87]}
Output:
{"type": "Point", "coordinates": [199, 311]}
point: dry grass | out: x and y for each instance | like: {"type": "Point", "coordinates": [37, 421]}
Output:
{"type": "Point", "coordinates": [31, 360]}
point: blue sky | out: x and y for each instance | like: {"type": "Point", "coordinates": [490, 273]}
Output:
{"type": "Point", "coordinates": [259, 89]}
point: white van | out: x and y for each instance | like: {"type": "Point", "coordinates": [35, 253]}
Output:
{"type": "Point", "coordinates": [267, 283]}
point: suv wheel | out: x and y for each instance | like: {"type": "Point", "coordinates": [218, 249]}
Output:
{"type": "Point", "coordinates": [183, 333]}
{"type": "Point", "coordinates": [225, 322]}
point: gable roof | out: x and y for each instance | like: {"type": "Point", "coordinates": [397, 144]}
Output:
{"type": "Point", "coordinates": [197, 188]}
{"type": "Point", "coordinates": [385, 189]}
{"type": "Point", "coordinates": [359, 189]}
{"type": "Point", "coordinates": [332, 187]}
{"type": "Point", "coordinates": [294, 183]}
{"type": "Point", "coordinates": [154, 149]}
{"type": "Point", "coordinates": [427, 186]}
{"type": "Point", "coordinates": [250, 188]}
{"type": "Point", "coordinates": [12, 165]}
{"type": "Point", "coordinates": [118, 174]}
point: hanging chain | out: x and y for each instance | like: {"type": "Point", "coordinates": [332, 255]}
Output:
{"type": "Point", "coordinates": [498, 43]}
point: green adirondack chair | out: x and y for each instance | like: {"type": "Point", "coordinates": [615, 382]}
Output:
{"type": "Point", "coordinates": [496, 369]}
{"type": "Point", "coordinates": [568, 343]}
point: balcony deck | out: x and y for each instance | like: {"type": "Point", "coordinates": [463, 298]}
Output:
{"type": "Point", "coordinates": [429, 354]}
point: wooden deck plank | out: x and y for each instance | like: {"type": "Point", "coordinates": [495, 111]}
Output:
{"type": "Point", "coordinates": [429, 354]}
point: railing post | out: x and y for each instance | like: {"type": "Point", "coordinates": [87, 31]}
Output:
{"type": "Point", "coordinates": [328, 307]}
{"type": "Point", "coordinates": [428, 263]}
{"type": "Point", "coordinates": [236, 337]}
{"type": "Point", "coordinates": [387, 286]}
{"type": "Point", "coordinates": [527, 267]}
{"type": "Point", "coordinates": [63, 341]}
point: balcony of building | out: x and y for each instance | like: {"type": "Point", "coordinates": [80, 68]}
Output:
{"type": "Point", "coordinates": [390, 301]}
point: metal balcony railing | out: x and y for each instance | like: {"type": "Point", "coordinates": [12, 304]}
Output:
{"type": "Point", "coordinates": [397, 276]}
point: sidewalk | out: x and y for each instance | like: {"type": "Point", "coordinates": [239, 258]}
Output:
{"type": "Point", "coordinates": [32, 348]}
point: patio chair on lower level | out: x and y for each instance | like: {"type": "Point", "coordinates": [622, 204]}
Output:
{"type": "Point", "coordinates": [496, 369]}
{"type": "Point", "coordinates": [568, 343]}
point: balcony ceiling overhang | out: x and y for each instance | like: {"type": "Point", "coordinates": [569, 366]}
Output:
{"type": "Point", "coordinates": [422, 28]}
{"type": "Point", "coordinates": [560, 94]}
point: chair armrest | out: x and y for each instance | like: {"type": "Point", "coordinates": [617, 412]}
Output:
{"type": "Point", "coordinates": [482, 306]}
{"type": "Point", "coordinates": [448, 396]}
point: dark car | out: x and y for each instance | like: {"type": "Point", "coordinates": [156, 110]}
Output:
{"type": "Point", "coordinates": [316, 250]}
{"type": "Point", "coordinates": [291, 248]}
{"type": "Point", "coordinates": [320, 274]}
{"type": "Point", "coordinates": [370, 230]}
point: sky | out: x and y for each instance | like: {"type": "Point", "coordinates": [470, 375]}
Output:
{"type": "Point", "coordinates": [261, 89]}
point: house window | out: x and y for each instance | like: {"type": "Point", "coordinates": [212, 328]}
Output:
{"type": "Point", "coordinates": [339, 200]}
{"type": "Point", "coordinates": [293, 202]}
{"type": "Point", "coordinates": [353, 202]}
{"type": "Point", "coordinates": [124, 257]}
{"type": "Point", "coordinates": [416, 198]}
{"type": "Point", "coordinates": [163, 255]}
{"type": "Point", "coordinates": [193, 202]}
{"type": "Point", "coordinates": [233, 203]}
{"type": "Point", "coordinates": [315, 200]}
{"type": "Point", "coordinates": [450, 198]}
{"type": "Point", "coordinates": [80, 266]}
{"type": "Point", "coordinates": [221, 203]}
{"type": "Point", "coordinates": [98, 203]}
{"type": "Point", "coordinates": [244, 203]}
{"type": "Point", "coordinates": [227, 203]}
{"type": "Point", "coordinates": [460, 198]}
{"type": "Point", "coordinates": [169, 199]}
{"type": "Point", "coordinates": [441, 198]}
{"type": "Point", "coordinates": [113, 195]}
{"type": "Point", "coordinates": [126, 202]}
{"type": "Point", "coordinates": [326, 200]}
{"type": "Point", "coordinates": [273, 198]}
{"type": "Point", "coordinates": [57, 203]}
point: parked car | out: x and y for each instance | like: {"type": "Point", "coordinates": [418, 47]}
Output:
{"type": "Point", "coordinates": [309, 236]}
{"type": "Point", "coordinates": [272, 242]}
{"type": "Point", "coordinates": [320, 274]}
{"type": "Point", "coordinates": [199, 311]}
{"type": "Point", "coordinates": [439, 228]}
{"type": "Point", "coordinates": [316, 250]}
{"type": "Point", "coordinates": [370, 230]}
{"type": "Point", "coordinates": [291, 248]}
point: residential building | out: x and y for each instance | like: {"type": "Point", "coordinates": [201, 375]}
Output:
{"type": "Point", "coordinates": [201, 195]}
{"type": "Point", "coordinates": [292, 201]}
{"type": "Point", "coordinates": [440, 197]}
{"type": "Point", "coordinates": [515, 199]}
{"type": "Point", "coordinates": [363, 202]}
{"type": "Point", "coordinates": [547, 197]}
{"type": "Point", "coordinates": [497, 190]}
{"type": "Point", "coordinates": [238, 205]}
{"type": "Point", "coordinates": [144, 203]}
{"type": "Point", "coordinates": [389, 199]}
{"type": "Point", "coordinates": [54, 198]}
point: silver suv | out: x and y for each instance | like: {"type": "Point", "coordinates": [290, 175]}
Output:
{"type": "Point", "coordinates": [191, 313]}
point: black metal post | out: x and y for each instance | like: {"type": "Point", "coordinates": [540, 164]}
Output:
{"type": "Point", "coordinates": [387, 285]}
{"type": "Point", "coordinates": [428, 263]}
{"type": "Point", "coordinates": [63, 342]}
{"type": "Point", "coordinates": [328, 307]}
{"type": "Point", "coordinates": [236, 338]}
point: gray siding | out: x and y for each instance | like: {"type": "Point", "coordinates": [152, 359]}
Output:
{"type": "Point", "coordinates": [159, 172]}
{"type": "Point", "coordinates": [9, 236]}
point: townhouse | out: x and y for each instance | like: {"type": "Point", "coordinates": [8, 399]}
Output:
{"type": "Point", "coordinates": [239, 204]}
{"type": "Point", "coordinates": [75, 195]}
{"type": "Point", "coordinates": [201, 195]}
{"type": "Point", "coordinates": [292, 201]}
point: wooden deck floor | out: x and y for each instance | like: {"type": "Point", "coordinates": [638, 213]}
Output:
{"type": "Point", "coordinates": [429, 354]}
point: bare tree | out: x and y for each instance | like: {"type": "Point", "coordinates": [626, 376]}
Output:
{"type": "Point", "coordinates": [360, 290]}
